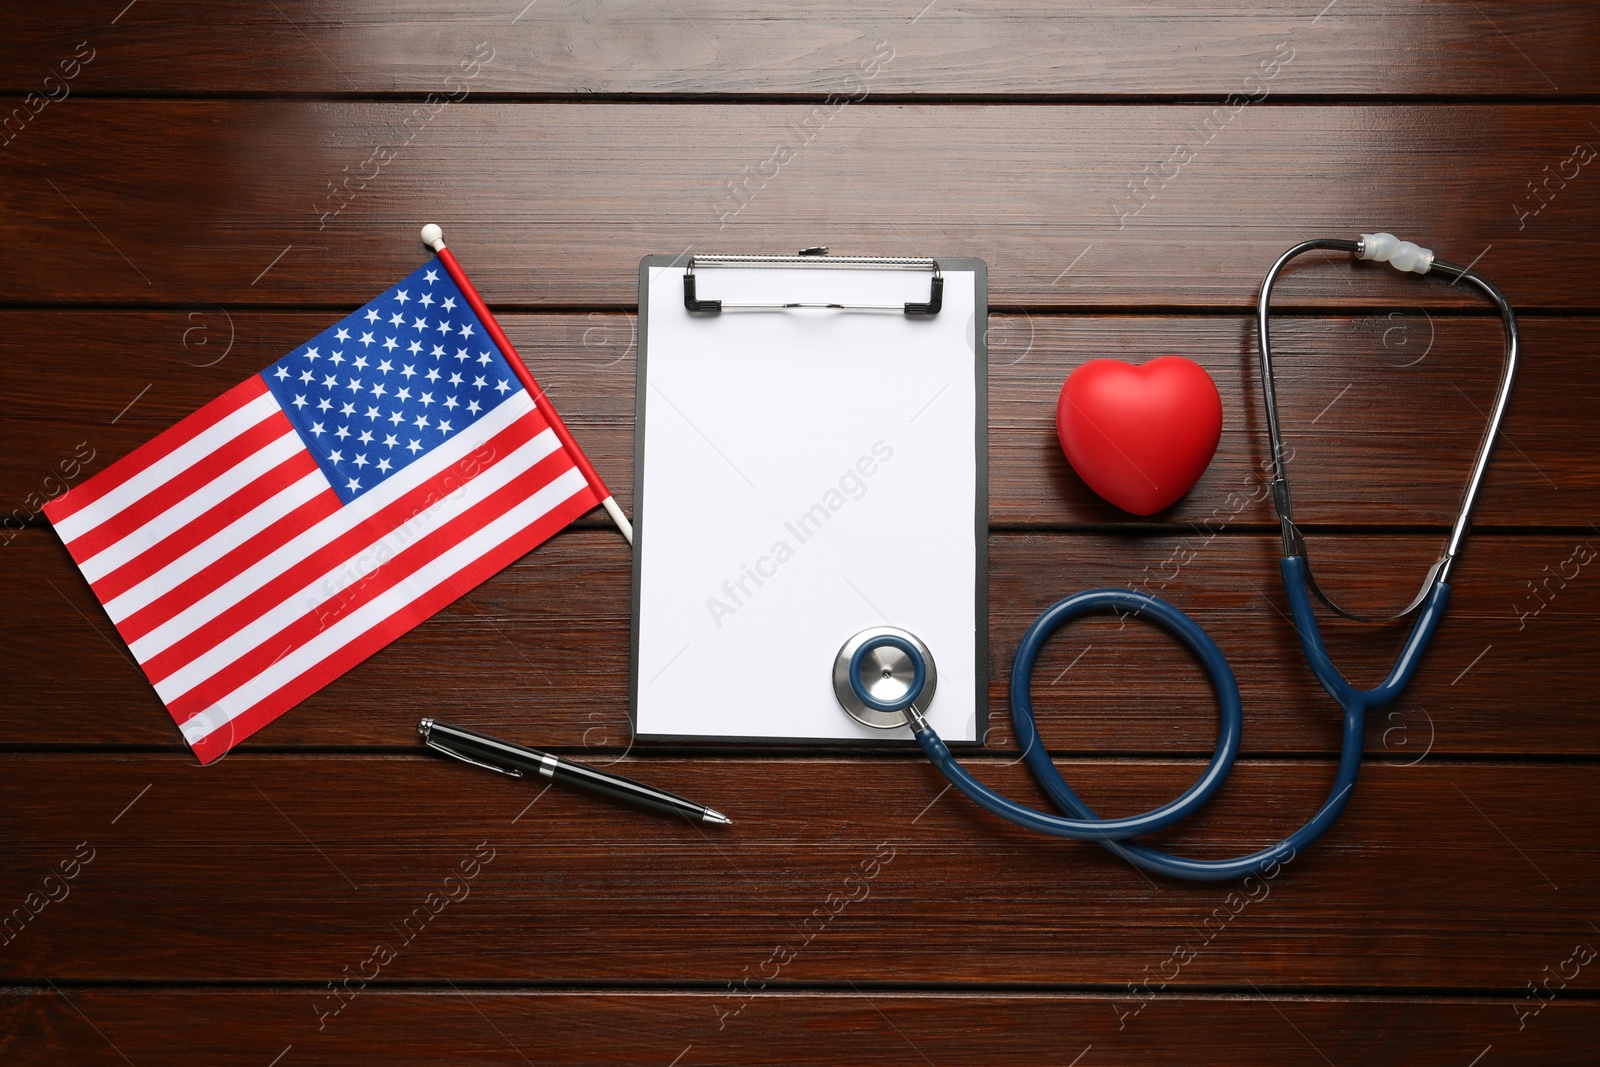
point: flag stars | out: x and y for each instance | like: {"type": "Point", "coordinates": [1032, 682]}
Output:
{"type": "Point", "coordinates": [392, 408]}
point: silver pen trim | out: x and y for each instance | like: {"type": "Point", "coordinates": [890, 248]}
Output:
{"type": "Point", "coordinates": [509, 772]}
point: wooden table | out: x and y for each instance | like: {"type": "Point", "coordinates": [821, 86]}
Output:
{"type": "Point", "coordinates": [190, 189]}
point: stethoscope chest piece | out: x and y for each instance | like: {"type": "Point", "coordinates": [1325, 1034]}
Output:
{"type": "Point", "coordinates": [882, 672]}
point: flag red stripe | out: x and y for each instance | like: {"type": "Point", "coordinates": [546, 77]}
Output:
{"type": "Point", "coordinates": [522, 372]}
{"type": "Point", "coordinates": [393, 572]}
{"type": "Point", "coordinates": [245, 555]}
{"type": "Point", "coordinates": [496, 559]}
{"type": "Point", "coordinates": [240, 560]}
{"type": "Point", "coordinates": [158, 447]}
{"type": "Point", "coordinates": [214, 465]}
{"type": "Point", "coordinates": [335, 552]}
{"type": "Point", "coordinates": [242, 501]}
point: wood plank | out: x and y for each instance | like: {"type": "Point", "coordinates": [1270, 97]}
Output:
{"type": "Point", "coordinates": [232, 202]}
{"type": "Point", "coordinates": [1481, 888]}
{"type": "Point", "coordinates": [1032, 48]}
{"type": "Point", "coordinates": [1127, 206]}
{"type": "Point", "coordinates": [868, 1026]}
{"type": "Point", "coordinates": [1384, 412]}
{"type": "Point", "coordinates": [540, 652]}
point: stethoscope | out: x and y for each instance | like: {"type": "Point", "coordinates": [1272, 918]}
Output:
{"type": "Point", "coordinates": [885, 677]}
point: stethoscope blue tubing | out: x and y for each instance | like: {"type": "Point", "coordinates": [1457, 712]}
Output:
{"type": "Point", "coordinates": [1079, 820]}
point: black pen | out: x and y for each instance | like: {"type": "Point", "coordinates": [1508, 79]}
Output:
{"type": "Point", "coordinates": [469, 746]}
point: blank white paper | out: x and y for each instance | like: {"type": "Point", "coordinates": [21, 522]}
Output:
{"type": "Point", "coordinates": [805, 475]}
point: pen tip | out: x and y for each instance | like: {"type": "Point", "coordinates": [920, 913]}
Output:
{"type": "Point", "coordinates": [714, 816]}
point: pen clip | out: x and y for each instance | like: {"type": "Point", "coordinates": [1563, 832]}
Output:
{"type": "Point", "coordinates": [509, 772]}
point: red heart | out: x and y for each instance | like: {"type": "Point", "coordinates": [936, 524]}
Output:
{"type": "Point", "coordinates": [1139, 436]}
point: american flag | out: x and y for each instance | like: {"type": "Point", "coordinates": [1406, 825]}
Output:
{"type": "Point", "coordinates": [318, 510]}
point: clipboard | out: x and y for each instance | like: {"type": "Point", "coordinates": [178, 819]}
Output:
{"type": "Point", "coordinates": [810, 460]}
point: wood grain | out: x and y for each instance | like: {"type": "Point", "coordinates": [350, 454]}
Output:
{"type": "Point", "coordinates": [1033, 48]}
{"type": "Point", "coordinates": [276, 868]}
{"type": "Point", "coordinates": [229, 202]}
{"type": "Point", "coordinates": [1384, 411]}
{"type": "Point", "coordinates": [867, 1026]}
{"type": "Point", "coordinates": [540, 652]}
{"type": "Point", "coordinates": [203, 192]}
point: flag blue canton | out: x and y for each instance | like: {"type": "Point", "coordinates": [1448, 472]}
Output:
{"type": "Point", "coordinates": [402, 375]}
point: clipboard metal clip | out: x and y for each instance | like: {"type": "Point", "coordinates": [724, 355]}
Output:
{"type": "Point", "coordinates": [815, 257]}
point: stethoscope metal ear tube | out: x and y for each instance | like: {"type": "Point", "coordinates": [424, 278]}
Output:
{"type": "Point", "coordinates": [883, 670]}
{"type": "Point", "coordinates": [1403, 256]}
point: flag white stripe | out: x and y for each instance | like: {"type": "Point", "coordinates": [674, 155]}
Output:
{"type": "Point", "coordinates": [346, 518]}
{"type": "Point", "coordinates": [166, 468]}
{"type": "Point", "coordinates": [389, 550]}
{"type": "Point", "coordinates": [191, 507]}
{"type": "Point", "coordinates": [441, 569]}
{"type": "Point", "coordinates": [218, 545]}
